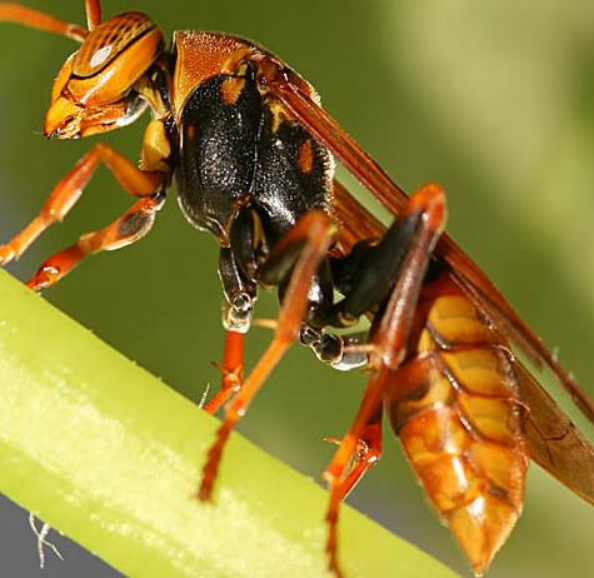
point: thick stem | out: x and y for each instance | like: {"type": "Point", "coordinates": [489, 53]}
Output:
{"type": "Point", "coordinates": [111, 456]}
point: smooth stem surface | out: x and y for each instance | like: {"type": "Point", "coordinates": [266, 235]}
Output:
{"type": "Point", "coordinates": [111, 456]}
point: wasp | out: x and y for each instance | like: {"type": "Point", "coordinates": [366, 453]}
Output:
{"type": "Point", "coordinates": [252, 154]}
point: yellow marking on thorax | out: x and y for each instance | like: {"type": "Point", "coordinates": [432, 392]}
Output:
{"type": "Point", "coordinates": [279, 115]}
{"type": "Point", "coordinates": [231, 90]}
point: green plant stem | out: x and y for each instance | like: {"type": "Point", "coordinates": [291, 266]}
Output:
{"type": "Point", "coordinates": [109, 455]}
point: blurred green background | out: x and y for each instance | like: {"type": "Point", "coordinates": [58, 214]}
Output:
{"type": "Point", "coordinates": [494, 100]}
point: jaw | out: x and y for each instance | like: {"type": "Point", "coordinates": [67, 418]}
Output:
{"type": "Point", "coordinates": [63, 120]}
{"type": "Point", "coordinates": [67, 120]}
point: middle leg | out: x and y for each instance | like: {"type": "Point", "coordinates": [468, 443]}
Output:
{"type": "Point", "coordinates": [232, 370]}
{"type": "Point", "coordinates": [313, 236]}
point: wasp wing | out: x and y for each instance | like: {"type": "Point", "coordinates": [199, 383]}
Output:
{"type": "Point", "coordinates": [553, 441]}
{"type": "Point", "coordinates": [463, 270]}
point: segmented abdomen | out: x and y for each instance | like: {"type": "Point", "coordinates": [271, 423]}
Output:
{"type": "Point", "coordinates": [454, 404]}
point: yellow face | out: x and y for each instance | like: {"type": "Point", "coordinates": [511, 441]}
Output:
{"type": "Point", "coordinates": [93, 91]}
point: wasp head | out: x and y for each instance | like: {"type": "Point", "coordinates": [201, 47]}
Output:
{"type": "Point", "coordinates": [94, 91]}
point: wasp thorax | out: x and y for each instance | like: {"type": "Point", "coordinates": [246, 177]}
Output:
{"type": "Point", "coordinates": [92, 91]}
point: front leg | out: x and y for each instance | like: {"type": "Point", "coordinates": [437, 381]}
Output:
{"type": "Point", "coordinates": [68, 191]}
{"type": "Point", "coordinates": [131, 227]}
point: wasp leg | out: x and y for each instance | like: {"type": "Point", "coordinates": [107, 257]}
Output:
{"type": "Point", "coordinates": [240, 296]}
{"type": "Point", "coordinates": [69, 190]}
{"type": "Point", "coordinates": [368, 452]}
{"type": "Point", "coordinates": [10, 12]}
{"type": "Point", "coordinates": [232, 370]}
{"type": "Point", "coordinates": [342, 352]}
{"type": "Point", "coordinates": [313, 235]}
{"type": "Point", "coordinates": [390, 333]}
{"type": "Point", "coordinates": [131, 227]}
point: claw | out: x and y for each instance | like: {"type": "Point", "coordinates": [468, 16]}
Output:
{"type": "Point", "coordinates": [45, 277]}
{"type": "Point", "coordinates": [331, 440]}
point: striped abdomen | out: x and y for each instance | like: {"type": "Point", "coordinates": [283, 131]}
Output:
{"type": "Point", "coordinates": [454, 404]}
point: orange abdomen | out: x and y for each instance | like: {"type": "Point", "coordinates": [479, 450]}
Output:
{"type": "Point", "coordinates": [455, 406]}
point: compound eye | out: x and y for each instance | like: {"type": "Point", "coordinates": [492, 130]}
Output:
{"type": "Point", "coordinates": [113, 58]}
{"type": "Point", "coordinates": [108, 41]}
